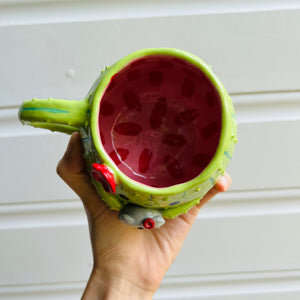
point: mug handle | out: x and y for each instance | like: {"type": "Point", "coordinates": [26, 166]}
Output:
{"type": "Point", "coordinates": [64, 116]}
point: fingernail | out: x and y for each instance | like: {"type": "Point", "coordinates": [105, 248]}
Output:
{"type": "Point", "coordinates": [223, 183]}
{"type": "Point", "coordinates": [223, 180]}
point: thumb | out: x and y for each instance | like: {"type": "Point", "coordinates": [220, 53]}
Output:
{"type": "Point", "coordinates": [72, 169]}
{"type": "Point", "coordinates": [72, 161]}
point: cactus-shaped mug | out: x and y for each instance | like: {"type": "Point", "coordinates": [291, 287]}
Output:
{"type": "Point", "coordinates": [158, 128]}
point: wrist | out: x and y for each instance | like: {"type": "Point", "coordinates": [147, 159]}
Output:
{"type": "Point", "coordinates": [106, 286]}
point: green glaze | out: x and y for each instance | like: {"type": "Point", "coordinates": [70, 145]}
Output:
{"type": "Point", "coordinates": [57, 115]}
{"type": "Point", "coordinates": [69, 116]}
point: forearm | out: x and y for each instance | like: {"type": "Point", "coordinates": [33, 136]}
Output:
{"type": "Point", "coordinates": [105, 287]}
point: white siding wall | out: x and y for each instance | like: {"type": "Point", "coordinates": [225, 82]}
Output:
{"type": "Point", "coordinates": [246, 243]}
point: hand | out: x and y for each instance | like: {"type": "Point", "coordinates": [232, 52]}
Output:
{"type": "Point", "coordinates": [128, 263]}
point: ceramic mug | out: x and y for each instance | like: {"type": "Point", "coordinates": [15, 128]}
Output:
{"type": "Point", "coordinates": [158, 128]}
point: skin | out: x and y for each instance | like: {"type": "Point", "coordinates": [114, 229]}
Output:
{"type": "Point", "coordinates": [128, 263]}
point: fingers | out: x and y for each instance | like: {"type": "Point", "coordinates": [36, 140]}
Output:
{"type": "Point", "coordinates": [72, 161]}
{"type": "Point", "coordinates": [222, 185]}
{"type": "Point", "coordinates": [72, 169]}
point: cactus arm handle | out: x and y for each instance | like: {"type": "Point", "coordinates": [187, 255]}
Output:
{"type": "Point", "coordinates": [64, 116]}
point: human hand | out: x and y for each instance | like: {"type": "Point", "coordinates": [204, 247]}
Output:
{"type": "Point", "coordinates": [128, 263]}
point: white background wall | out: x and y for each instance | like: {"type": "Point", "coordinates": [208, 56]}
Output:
{"type": "Point", "coordinates": [246, 243]}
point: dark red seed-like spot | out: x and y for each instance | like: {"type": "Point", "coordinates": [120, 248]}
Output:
{"type": "Point", "coordinates": [210, 130]}
{"type": "Point", "coordinates": [188, 87]}
{"type": "Point", "coordinates": [186, 116]}
{"type": "Point", "coordinates": [155, 78]}
{"type": "Point", "coordinates": [102, 138]}
{"type": "Point", "coordinates": [144, 160]}
{"type": "Point", "coordinates": [174, 140]}
{"type": "Point", "coordinates": [132, 101]}
{"type": "Point", "coordinates": [201, 160]}
{"type": "Point", "coordinates": [107, 109]}
{"type": "Point", "coordinates": [173, 167]}
{"type": "Point", "coordinates": [128, 128]}
{"type": "Point", "coordinates": [133, 75]}
{"type": "Point", "coordinates": [158, 113]}
{"type": "Point", "coordinates": [119, 155]}
{"type": "Point", "coordinates": [210, 98]}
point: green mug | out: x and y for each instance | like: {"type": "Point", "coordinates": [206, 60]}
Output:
{"type": "Point", "coordinates": [158, 128]}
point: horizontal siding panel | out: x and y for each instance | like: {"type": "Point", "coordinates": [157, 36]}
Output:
{"type": "Point", "coordinates": [266, 156]}
{"type": "Point", "coordinates": [46, 292]}
{"type": "Point", "coordinates": [28, 165]}
{"type": "Point", "coordinates": [253, 203]}
{"type": "Point", "coordinates": [250, 108]}
{"type": "Point", "coordinates": [251, 51]}
{"type": "Point", "coordinates": [45, 255]}
{"type": "Point", "coordinates": [53, 11]}
{"type": "Point", "coordinates": [267, 107]}
{"type": "Point", "coordinates": [214, 245]}
{"type": "Point", "coordinates": [49, 214]}
{"type": "Point", "coordinates": [251, 285]}
{"type": "Point", "coordinates": [240, 244]}
{"type": "Point", "coordinates": [264, 149]}
{"type": "Point", "coordinates": [223, 206]}
{"type": "Point", "coordinates": [244, 286]}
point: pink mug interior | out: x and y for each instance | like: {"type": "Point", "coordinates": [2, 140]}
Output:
{"type": "Point", "coordinates": [160, 120]}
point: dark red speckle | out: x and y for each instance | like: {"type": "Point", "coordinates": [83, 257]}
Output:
{"type": "Point", "coordinates": [128, 128]}
{"type": "Point", "coordinates": [155, 78]}
{"type": "Point", "coordinates": [132, 101]}
{"type": "Point", "coordinates": [119, 155]}
{"type": "Point", "coordinates": [188, 87]}
{"type": "Point", "coordinates": [173, 167]}
{"type": "Point", "coordinates": [186, 117]}
{"type": "Point", "coordinates": [174, 140]}
{"type": "Point", "coordinates": [144, 160]}
{"type": "Point", "coordinates": [158, 113]}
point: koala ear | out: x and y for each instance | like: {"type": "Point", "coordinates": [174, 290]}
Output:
{"type": "Point", "coordinates": [159, 221]}
{"type": "Point", "coordinates": [126, 219]}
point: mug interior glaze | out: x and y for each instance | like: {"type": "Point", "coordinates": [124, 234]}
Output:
{"type": "Point", "coordinates": [160, 120]}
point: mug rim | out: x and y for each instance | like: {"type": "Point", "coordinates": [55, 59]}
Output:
{"type": "Point", "coordinates": [100, 91]}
